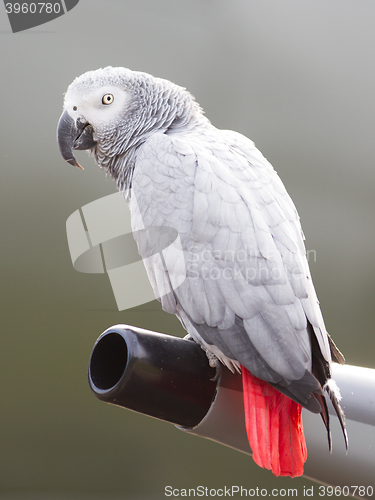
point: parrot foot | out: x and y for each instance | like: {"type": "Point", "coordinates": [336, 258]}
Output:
{"type": "Point", "coordinates": [216, 365]}
{"type": "Point", "coordinates": [212, 359]}
{"type": "Point", "coordinates": [213, 362]}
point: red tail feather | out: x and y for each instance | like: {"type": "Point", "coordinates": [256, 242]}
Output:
{"type": "Point", "coordinates": [274, 427]}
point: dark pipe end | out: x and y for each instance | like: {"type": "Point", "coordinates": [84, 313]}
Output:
{"type": "Point", "coordinates": [108, 361]}
{"type": "Point", "coordinates": [159, 375]}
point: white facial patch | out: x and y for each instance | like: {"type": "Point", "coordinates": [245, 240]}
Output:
{"type": "Point", "coordinates": [101, 107]}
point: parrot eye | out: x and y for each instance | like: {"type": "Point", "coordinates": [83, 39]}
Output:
{"type": "Point", "coordinates": [107, 99]}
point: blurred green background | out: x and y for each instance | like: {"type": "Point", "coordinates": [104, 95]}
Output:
{"type": "Point", "coordinates": [298, 77]}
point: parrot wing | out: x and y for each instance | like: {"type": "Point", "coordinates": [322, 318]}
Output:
{"type": "Point", "coordinates": [238, 279]}
{"type": "Point", "coordinates": [248, 289]}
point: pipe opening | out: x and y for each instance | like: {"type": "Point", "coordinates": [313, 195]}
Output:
{"type": "Point", "coordinates": [108, 361]}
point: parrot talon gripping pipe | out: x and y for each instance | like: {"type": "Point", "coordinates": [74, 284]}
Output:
{"type": "Point", "coordinates": [237, 277]}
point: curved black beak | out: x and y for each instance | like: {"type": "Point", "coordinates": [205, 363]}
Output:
{"type": "Point", "coordinates": [73, 135]}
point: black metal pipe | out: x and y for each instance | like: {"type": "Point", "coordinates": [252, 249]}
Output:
{"type": "Point", "coordinates": [159, 375]}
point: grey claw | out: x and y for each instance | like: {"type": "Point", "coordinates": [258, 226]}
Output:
{"type": "Point", "coordinates": [218, 370]}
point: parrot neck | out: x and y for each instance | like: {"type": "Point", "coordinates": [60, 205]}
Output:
{"type": "Point", "coordinates": [168, 109]}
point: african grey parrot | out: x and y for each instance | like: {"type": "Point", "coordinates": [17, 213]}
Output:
{"type": "Point", "coordinates": [246, 295]}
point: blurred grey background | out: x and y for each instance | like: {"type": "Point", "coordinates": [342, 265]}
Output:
{"type": "Point", "coordinates": [298, 77]}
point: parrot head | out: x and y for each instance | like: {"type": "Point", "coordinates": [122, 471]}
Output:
{"type": "Point", "coordinates": [96, 105]}
{"type": "Point", "coordinates": [111, 110]}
